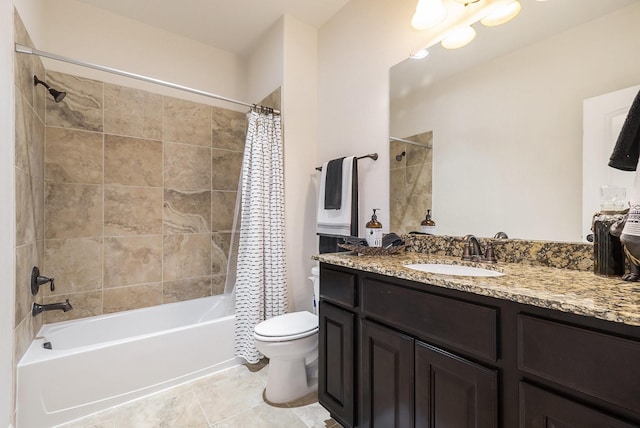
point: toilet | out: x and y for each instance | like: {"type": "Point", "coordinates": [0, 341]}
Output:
{"type": "Point", "coordinates": [290, 341]}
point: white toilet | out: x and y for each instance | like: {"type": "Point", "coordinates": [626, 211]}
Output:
{"type": "Point", "coordinates": [290, 341]}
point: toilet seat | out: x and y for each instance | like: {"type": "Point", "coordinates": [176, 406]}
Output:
{"type": "Point", "coordinates": [291, 326]}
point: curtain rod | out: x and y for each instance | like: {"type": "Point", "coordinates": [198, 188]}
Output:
{"type": "Point", "coordinates": [373, 156]}
{"type": "Point", "coordinates": [402, 140]}
{"type": "Point", "coordinates": [32, 51]}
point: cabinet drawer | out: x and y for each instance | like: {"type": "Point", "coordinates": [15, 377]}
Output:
{"type": "Point", "coordinates": [460, 325]}
{"type": "Point", "coordinates": [338, 287]}
{"type": "Point", "coordinates": [601, 365]}
{"type": "Point", "coordinates": [539, 408]}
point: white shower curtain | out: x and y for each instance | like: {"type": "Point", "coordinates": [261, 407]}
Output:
{"type": "Point", "coordinates": [261, 291]}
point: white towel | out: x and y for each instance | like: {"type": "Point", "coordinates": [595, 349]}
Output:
{"type": "Point", "coordinates": [336, 222]}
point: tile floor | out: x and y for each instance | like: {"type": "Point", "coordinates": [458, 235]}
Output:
{"type": "Point", "coordinates": [230, 399]}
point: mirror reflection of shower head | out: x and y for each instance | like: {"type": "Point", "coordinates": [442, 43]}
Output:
{"type": "Point", "coordinates": [401, 155]}
{"type": "Point", "coordinates": [57, 95]}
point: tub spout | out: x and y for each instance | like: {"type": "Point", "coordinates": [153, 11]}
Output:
{"type": "Point", "coordinates": [63, 306]}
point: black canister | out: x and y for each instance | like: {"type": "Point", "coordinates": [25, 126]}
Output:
{"type": "Point", "coordinates": [608, 254]}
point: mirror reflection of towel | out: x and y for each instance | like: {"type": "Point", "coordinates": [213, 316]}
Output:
{"type": "Point", "coordinates": [333, 185]}
{"type": "Point", "coordinates": [627, 149]}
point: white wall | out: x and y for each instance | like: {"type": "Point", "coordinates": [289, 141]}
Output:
{"type": "Point", "coordinates": [498, 165]}
{"type": "Point", "coordinates": [265, 64]}
{"type": "Point", "coordinates": [7, 213]}
{"type": "Point", "coordinates": [77, 30]}
{"type": "Point", "coordinates": [356, 48]}
{"type": "Point", "coordinates": [33, 16]}
{"type": "Point", "coordinates": [286, 57]}
{"type": "Point", "coordinates": [300, 112]}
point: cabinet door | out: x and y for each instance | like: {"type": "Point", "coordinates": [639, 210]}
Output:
{"type": "Point", "coordinates": [336, 381]}
{"type": "Point", "coordinates": [542, 409]}
{"type": "Point", "coordinates": [386, 377]}
{"type": "Point", "coordinates": [453, 392]}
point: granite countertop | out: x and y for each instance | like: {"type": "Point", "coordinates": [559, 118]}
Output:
{"type": "Point", "coordinates": [572, 291]}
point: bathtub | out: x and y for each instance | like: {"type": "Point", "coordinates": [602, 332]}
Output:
{"type": "Point", "coordinates": [99, 362]}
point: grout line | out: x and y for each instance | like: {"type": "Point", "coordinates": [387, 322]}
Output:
{"type": "Point", "coordinates": [103, 206]}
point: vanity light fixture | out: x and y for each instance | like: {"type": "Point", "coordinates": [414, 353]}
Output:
{"type": "Point", "coordinates": [502, 14]}
{"type": "Point", "coordinates": [459, 37]}
{"type": "Point", "coordinates": [449, 21]}
{"type": "Point", "coordinates": [428, 14]}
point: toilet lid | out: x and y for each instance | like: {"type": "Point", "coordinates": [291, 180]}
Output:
{"type": "Point", "coordinates": [293, 323]}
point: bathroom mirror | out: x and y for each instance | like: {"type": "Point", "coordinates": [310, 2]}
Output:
{"type": "Point", "coordinates": [505, 117]}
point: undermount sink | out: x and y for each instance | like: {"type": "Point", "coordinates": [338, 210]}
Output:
{"type": "Point", "coordinates": [449, 269]}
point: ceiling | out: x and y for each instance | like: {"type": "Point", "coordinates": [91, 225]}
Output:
{"type": "Point", "coordinates": [231, 25]}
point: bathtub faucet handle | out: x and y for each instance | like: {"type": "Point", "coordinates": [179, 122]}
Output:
{"type": "Point", "coordinates": [37, 280]}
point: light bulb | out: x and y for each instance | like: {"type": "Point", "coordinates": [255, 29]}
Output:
{"type": "Point", "coordinates": [502, 14]}
{"type": "Point", "coordinates": [422, 53]}
{"type": "Point", "coordinates": [458, 38]}
{"type": "Point", "coordinates": [428, 13]}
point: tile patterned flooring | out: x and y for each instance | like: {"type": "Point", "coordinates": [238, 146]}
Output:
{"type": "Point", "coordinates": [232, 398]}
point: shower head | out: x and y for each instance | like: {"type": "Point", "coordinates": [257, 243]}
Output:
{"type": "Point", "coordinates": [57, 95]}
{"type": "Point", "coordinates": [401, 155]}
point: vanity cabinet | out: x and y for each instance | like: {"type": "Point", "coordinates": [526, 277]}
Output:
{"type": "Point", "coordinates": [337, 345]}
{"type": "Point", "coordinates": [396, 353]}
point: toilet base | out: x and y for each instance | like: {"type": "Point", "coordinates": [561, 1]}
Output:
{"type": "Point", "coordinates": [290, 379]}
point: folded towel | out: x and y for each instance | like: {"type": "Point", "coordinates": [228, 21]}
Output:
{"type": "Point", "coordinates": [355, 240]}
{"type": "Point", "coordinates": [340, 222]}
{"type": "Point", "coordinates": [391, 240]}
{"type": "Point", "coordinates": [333, 185]}
{"type": "Point", "coordinates": [627, 149]}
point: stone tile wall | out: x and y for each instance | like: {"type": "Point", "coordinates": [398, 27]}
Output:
{"type": "Point", "coordinates": [139, 196]}
{"type": "Point", "coordinates": [410, 184]}
{"type": "Point", "coordinates": [29, 175]}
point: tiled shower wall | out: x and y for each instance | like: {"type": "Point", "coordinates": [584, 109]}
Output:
{"type": "Point", "coordinates": [29, 176]}
{"type": "Point", "coordinates": [124, 196]}
{"type": "Point", "coordinates": [410, 186]}
{"type": "Point", "coordinates": [140, 192]}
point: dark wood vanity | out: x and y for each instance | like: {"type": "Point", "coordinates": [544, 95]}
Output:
{"type": "Point", "coordinates": [399, 353]}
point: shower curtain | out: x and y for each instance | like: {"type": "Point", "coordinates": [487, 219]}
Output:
{"type": "Point", "coordinates": [261, 273]}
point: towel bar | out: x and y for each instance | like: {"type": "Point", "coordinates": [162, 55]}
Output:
{"type": "Point", "coordinates": [373, 156]}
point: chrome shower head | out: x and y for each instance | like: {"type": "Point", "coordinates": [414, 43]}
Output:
{"type": "Point", "coordinates": [401, 155]}
{"type": "Point", "coordinates": [57, 95]}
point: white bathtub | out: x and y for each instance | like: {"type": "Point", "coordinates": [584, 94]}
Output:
{"type": "Point", "coordinates": [99, 362]}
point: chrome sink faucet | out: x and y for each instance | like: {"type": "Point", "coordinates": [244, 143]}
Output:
{"type": "Point", "coordinates": [472, 251]}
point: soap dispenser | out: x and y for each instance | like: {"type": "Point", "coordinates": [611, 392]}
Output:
{"type": "Point", "coordinates": [373, 230]}
{"type": "Point", "coordinates": [428, 225]}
